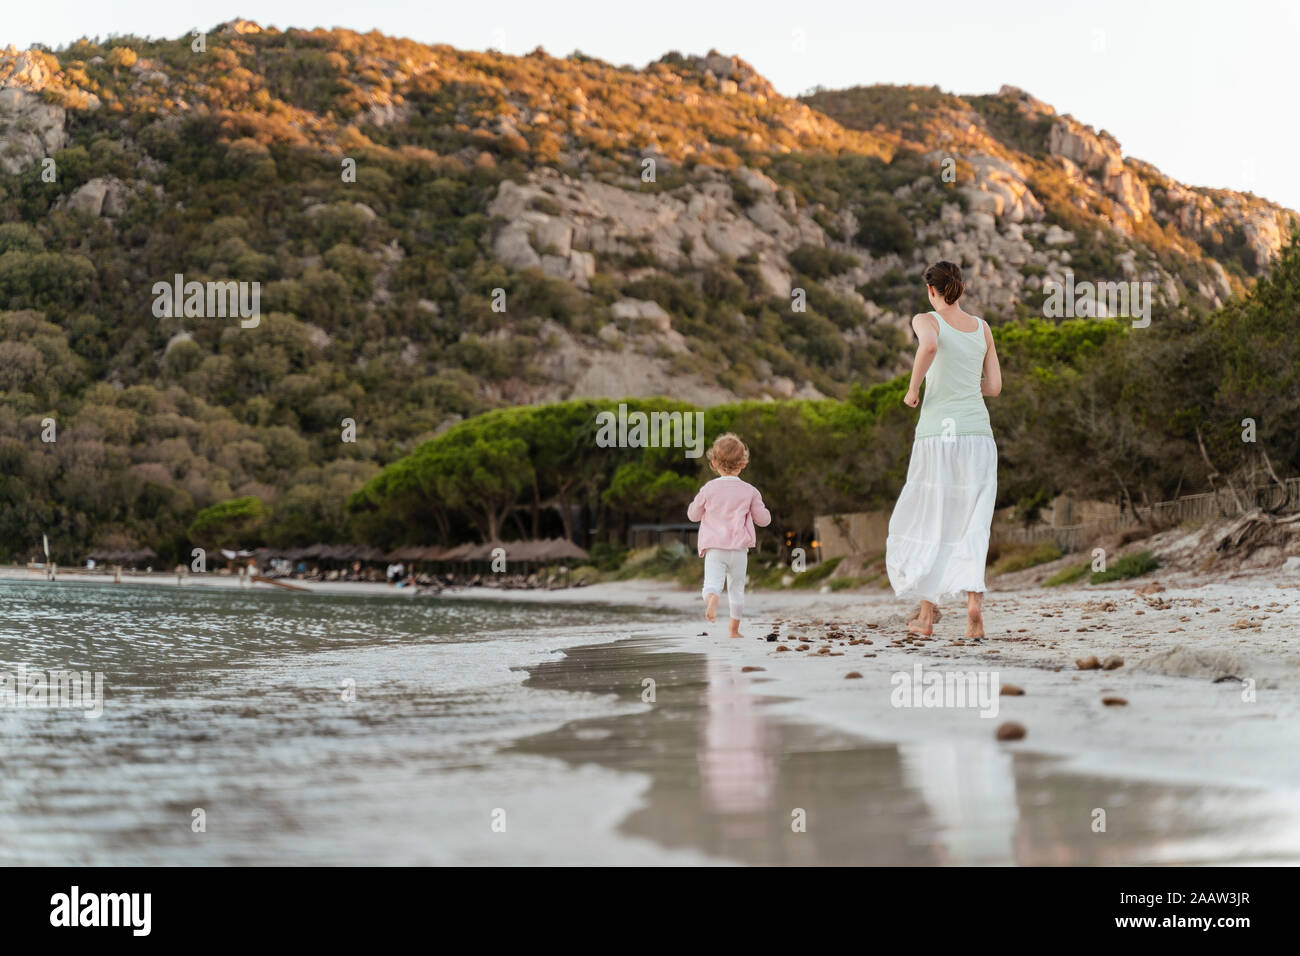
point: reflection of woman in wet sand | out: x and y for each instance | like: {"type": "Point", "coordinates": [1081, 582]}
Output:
{"type": "Point", "coordinates": [970, 788]}
{"type": "Point", "coordinates": [939, 532]}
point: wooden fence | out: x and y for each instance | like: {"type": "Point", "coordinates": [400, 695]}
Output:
{"type": "Point", "coordinates": [1200, 507]}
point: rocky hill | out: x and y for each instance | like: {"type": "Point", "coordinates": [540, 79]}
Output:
{"type": "Point", "coordinates": [436, 231]}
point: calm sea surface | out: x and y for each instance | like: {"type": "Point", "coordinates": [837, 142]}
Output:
{"type": "Point", "coordinates": [236, 704]}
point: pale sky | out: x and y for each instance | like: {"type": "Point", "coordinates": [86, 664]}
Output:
{"type": "Point", "coordinates": [1203, 89]}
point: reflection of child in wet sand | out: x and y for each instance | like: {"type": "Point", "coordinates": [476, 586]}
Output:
{"type": "Point", "coordinates": [727, 510]}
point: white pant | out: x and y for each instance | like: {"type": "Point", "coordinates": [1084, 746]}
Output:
{"type": "Point", "coordinates": [720, 564]}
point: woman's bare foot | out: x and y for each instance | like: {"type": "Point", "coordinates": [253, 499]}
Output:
{"type": "Point", "coordinates": [975, 615]}
{"type": "Point", "coordinates": [711, 608]}
{"type": "Point", "coordinates": [735, 628]}
{"type": "Point", "coordinates": [923, 623]}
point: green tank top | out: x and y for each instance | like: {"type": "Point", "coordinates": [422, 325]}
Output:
{"type": "Point", "coordinates": [953, 403]}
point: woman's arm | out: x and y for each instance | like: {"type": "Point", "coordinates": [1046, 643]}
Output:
{"type": "Point", "coordinates": [991, 382]}
{"type": "Point", "coordinates": [927, 345]}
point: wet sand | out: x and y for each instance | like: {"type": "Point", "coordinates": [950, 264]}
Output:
{"type": "Point", "coordinates": [731, 772]}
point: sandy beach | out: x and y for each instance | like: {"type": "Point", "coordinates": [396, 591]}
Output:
{"type": "Point", "coordinates": [1187, 653]}
{"type": "Point", "coordinates": [1183, 756]}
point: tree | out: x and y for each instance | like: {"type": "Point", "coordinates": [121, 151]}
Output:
{"type": "Point", "coordinates": [238, 522]}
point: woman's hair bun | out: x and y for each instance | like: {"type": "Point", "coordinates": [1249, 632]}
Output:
{"type": "Point", "coordinates": [945, 277]}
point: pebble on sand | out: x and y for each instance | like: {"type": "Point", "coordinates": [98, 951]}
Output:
{"type": "Point", "coordinates": [750, 668]}
{"type": "Point", "coordinates": [802, 647]}
{"type": "Point", "coordinates": [781, 648]}
{"type": "Point", "coordinates": [1011, 690]}
{"type": "Point", "coordinates": [1114, 701]}
{"type": "Point", "coordinates": [1112, 662]}
{"type": "Point", "coordinates": [852, 675]}
{"type": "Point", "coordinates": [1010, 730]}
{"type": "Point", "coordinates": [1089, 663]}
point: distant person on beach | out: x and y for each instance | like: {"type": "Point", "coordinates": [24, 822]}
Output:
{"type": "Point", "coordinates": [727, 509]}
{"type": "Point", "coordinates": [939, 532]}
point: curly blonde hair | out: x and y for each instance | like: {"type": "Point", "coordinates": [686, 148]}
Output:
{"type": "Point", "coordinates": [728, 454]}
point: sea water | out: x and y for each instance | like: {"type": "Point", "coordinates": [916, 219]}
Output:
{"type": "Point", "coordinates": [260, 727]}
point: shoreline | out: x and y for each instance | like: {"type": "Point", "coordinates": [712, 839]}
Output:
{"type": "Point", "coordinates": [1188, 649]}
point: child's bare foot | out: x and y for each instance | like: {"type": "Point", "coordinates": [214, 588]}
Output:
{"type": "Point", "coordinates": [735, 628]}
{"type": "Point", "coordinates": [711, 608]}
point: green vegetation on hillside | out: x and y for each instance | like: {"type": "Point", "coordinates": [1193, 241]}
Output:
{"type": "Point", "coordinates": [1093, 407]}
{"type": "Point", "coordinates": [376, 398]}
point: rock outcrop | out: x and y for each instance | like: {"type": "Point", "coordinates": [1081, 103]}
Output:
{"type": "Point", "coordinates": [999, 189]}
{"type": "Point", "coordinates": [102, 196]}
{"type": "Point", "coordinates": [559, 224]}
{"type": "Point", "coordinates": [1097, 155]}
{"type": "Point", "coordinates": [30, 127]}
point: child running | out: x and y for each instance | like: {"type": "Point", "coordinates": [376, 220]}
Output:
{"type": "Point", "coordinates": [727, 510]}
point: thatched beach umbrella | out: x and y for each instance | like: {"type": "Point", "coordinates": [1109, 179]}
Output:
{"type": "Point", "coordinates": [482, 552]}
{"type": "Point", "coordinates": [562, 549]}
{"type": "Point", "coordinates": [458, 553]}
{"type": "Point", "coordinates": [526, 552]}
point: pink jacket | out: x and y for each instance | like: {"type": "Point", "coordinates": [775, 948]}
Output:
{"type": "Point", "coordinates": [727, 510]}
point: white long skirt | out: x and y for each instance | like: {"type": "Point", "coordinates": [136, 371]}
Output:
{"type": "Point", "coordinates": [939, 532]}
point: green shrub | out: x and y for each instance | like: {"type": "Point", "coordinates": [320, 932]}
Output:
{"type": "Point", "coordinates": [545, 204]}
{"type": "Point", "coordinates": [607, 557]}
{"type": "Point", "coordinates": [884, 229]}
{"type": "Point", "coordinates": [814, 576]}
{"type": "Point", "coordinates": [844, 584]}
{"type": "Point", "coordinates": [673, 560]}
{"type": "Point", "coordinates": [1026, 556]}
{"type": "Point", "coordinates": [818, 262]}
{"type": "Point", "coordinates": [237, 521]}
{"type": "Point", "coordinates": [1128, 566]}
{"type": "Point", "coordinates": [1067, 575]}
